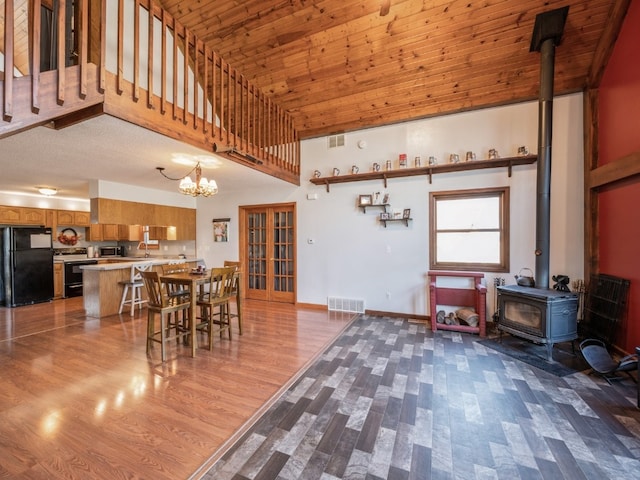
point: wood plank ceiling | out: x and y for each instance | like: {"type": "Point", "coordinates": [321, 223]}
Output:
{"type": "Point", "coordinates": [342, 65]}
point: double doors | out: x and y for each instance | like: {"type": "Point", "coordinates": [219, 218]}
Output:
{"type": "Point", "coordinates": [267, 248]}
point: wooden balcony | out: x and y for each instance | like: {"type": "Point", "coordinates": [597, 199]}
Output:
{"type": "Point", "coordinates": [107, 61]}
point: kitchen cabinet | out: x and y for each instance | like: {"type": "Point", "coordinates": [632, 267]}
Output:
{"type": "Point", "coordinates": [130, 233]}
{"type": "Point", "coordinates": [157, 232]}
{"type": "Point", "coordinates": [58, 280]}
{"type": "Point", "coordinates": [24, 216]}
{"type": "Point", "coordinates": [99, 232]}
{"type": "Point", "coordinates": [10, 215]}
{"type": "Point", "coordinates": [106, 210]}
{"type": "Point", "coordinates": [34, 216]}
{"type": "Point", "coordinates": [110, 231]}
{"type": "Point", "coordinates": [71, 218]}
{"type": "Point", "coordinates": [94, 232]}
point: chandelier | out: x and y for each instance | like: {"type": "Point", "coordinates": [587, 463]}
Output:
{"type": "Point", "coordinates": [201, 186]}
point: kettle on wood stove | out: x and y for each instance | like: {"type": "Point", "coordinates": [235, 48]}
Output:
{"type": "Point", "coordinates": [525, 280]}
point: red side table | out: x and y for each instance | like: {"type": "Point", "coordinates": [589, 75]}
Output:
{"type": "Point", "coordinates": [474, 297]}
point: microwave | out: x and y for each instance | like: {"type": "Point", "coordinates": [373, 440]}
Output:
{"type": "Point", "coordinates": [110, 251]}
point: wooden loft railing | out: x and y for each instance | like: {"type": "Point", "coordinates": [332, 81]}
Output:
{"type": "Point", "coordinates": [134, 79]}
{"type": "Point", "coordinates": [36, 97]}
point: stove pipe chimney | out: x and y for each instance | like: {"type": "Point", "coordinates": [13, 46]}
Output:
{"type": "Point", "coordinates": [547, 33]}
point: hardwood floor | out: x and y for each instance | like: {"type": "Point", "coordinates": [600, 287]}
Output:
{"type": "Point", "coordinates": [80, 398]}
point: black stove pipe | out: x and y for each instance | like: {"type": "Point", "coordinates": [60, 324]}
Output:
{"type": "Point", "coordinates": [543, 185]}
{"type": "Point", "coordinates": [546, 35]}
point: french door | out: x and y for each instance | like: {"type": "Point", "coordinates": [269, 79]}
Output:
{"type": "Point", "coordinates": [267, 248]}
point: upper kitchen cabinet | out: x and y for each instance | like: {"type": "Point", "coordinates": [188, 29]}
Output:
{"type": "Point", "coordinates": [130, 233]}
{"type": "Point", "coordinates": [68, 217]}
{"type": "Point", "coordinates": [25, 216]}
{"type": "Point", "coordinates": [106, 211]}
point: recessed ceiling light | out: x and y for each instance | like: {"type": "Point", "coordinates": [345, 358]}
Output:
{"type": "Point", "coordinates": [48, 191]}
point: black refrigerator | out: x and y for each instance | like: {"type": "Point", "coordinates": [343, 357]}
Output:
{"type": "Point", "coordinates": [27, 266]}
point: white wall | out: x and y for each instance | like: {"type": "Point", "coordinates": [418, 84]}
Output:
{"type": "Point", "coordinates": [354, 256]}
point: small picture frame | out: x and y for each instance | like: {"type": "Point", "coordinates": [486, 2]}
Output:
{"type": "Point", "coordinates": [384, 216]}
{"type": "Point", "coordinates": [385, 200]}
{"type": "Point", "coordinates": [364, 200]}
{"type": "Point", "coordinates": [221, 229]}
{"type": "Point", "coordinates": [406, 213]}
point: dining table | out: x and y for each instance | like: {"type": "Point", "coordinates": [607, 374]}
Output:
{"type": "Point", "coordinates": [192, 281]}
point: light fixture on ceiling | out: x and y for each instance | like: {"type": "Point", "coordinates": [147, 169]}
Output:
{"type": "Point", "coordinates": [201, 186]}
{"type": "Point", "coordinates": [48, 191]}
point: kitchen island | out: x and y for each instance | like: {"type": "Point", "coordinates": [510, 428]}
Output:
{"type": "Point", "coordinates": [101, 288]}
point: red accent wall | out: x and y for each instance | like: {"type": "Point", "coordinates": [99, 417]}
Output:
{"type": "Point", "coordinates": [619, 203]}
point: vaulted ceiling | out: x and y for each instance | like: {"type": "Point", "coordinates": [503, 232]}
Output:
{"type": "Point", "coordinates": [341, 65]}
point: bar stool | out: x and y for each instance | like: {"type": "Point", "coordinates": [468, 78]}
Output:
{"type": "Point", "coordinates": [134, 285]}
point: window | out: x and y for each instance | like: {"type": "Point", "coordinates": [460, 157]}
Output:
{"type": "Point", "coordinates": [470, 230]}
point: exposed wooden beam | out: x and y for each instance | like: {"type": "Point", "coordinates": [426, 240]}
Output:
{"type": "Point", "coordinates": [618, 170]}
{"type": "Point", "coordinates": [607, 41]}
{"type": "Point", "coordinates": [78, 116]}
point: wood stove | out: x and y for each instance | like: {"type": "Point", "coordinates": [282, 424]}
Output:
{"type": "Point", "coordinates": [541, 315]}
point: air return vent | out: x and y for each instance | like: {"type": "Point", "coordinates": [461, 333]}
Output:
{"type": "Point", "coordinates": [336, 141]}
{"type": "Point", "coordinates": [345, 305]}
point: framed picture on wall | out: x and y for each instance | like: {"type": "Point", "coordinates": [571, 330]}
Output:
{"type": "Point", "coordinates": [221, 229]}
{"type": "Point", "coordinates": [364, 200]}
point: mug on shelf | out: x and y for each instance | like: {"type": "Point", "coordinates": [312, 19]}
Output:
{"type": "Point", "coordinates": [316, 174]}
{"type": "Point", "coordinates": [493, 154]}
{"type": "Point", "coordinates": [522, 151]}
{"type": "Point", "coordinates": [470, 157]}
{"type": "Point", "coordinates": [376, 167]}
{"type": "Point", "coordinates": [336, 172]}
{"type": "Point", "coordinates": [433, 161]}
{"type": "Point", "coordinates": [454, 158]}
{"type": "Point", "coordinates": [354, 169]}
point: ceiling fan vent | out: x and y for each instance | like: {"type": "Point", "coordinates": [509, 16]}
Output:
{"type": "Point", "coordinates": [336, 141]}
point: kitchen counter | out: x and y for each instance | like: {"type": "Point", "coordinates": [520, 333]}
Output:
{"type": "Point", "coordinates": [101, 290]}
{"type": "Point", "coordinates": [117, 263]}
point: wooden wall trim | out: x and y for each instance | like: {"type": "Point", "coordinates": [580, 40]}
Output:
{"type": "Point", "coordinates": [620, 169]}
{"type": "Point", "coordinates": [590, 211]}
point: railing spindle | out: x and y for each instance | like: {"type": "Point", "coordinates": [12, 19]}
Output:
{"type": "Point", "coordinates": [150, 102]}
{"type": "Point", "coordinates": [83, 46]}
{"type": "Point", "coordinates": [35, 56]}
{"type": "Point", "coordinates": [136, 50]}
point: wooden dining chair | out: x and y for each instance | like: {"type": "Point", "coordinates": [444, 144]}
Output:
{"type": "Point", "coordinates": [173, 312]}
{"type": "Point", "coordinates": [235, 292]}
{"type": "Point", "coordinates": [216, 297]}
{"type": "Point", "coordinates": [176, 290]}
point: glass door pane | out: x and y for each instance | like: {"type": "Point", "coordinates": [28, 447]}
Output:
{"type": "Point", "coordinates": [257, 250]}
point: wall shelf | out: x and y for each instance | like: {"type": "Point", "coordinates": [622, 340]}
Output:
{"type": "Point", "coordinates": [431, 170]}
{"type": "Point", "coordinates": [373, 205]}
{"type": "Point", "coordinates": [403, 220]}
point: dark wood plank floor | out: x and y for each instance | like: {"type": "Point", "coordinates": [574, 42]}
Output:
{"type": "Point", "coordinates": [392, 400]}
{"type": "Point", "coordinates": [81, 399]}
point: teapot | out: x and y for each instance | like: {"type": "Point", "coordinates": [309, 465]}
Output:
{"type": "Point", "coordinates": [525, 280]}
